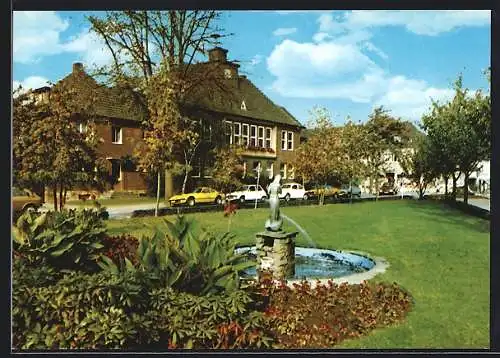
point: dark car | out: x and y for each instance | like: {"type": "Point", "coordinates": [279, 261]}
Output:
{"type": "Point", "coordinates": [388, 188]}
{"type": "Point", "coordinates": [346, 191]}
{"type": "Point", "coordinates": [25, 200]}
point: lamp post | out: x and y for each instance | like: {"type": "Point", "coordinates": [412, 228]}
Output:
{"type": "Point", "coordinates": [257, 187]}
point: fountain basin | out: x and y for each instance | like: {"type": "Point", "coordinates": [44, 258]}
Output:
{"type": "Point", "coordinates": [322, 264]}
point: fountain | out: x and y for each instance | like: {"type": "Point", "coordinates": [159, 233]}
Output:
{"type": "Point", "coordinates": [275, 251]}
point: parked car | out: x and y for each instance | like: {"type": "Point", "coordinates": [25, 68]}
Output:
{"type": "Point", "coordinates": [346, 190]}
{"type": "Point", "coordinates": [293, 191]}
{"type": "Point", "coordinates": [330, 191]}
{"type": "Point", "coordinates": [199, 195]}
{"type": "Point", "coordinates": [24, 200]}
{"type": "Point", "coordinates": [388, 188]}
{"type": "Point", "coordinates": [247, 192]}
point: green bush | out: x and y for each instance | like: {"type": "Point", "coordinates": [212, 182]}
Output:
{"type": "Point", "coordinates": [108, 311]}
{"type": "Point", "coordinates": [185, 259]}
{"type": "Point", "coordinates": [71, 239]}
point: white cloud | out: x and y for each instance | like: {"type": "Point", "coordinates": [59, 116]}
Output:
{"type": "Point", "coordinates": [283, 31]}
{"type": "Point", "coordinates": [31, 82]}
{"type": "Point", "coordinates": [371, 47]}
{"type": "Point", "coordinates": [90, 48]}
{"type": "Point", "coordinates": [256, 60]}
{"type": "Point", "coordinates": [36, 34]}
{"type": "Point", "coordinates": [332, 70]}
{"type": "Point", "coordinates": [411, 98]}
{"type": "Point", "coordinates": [421, 22]}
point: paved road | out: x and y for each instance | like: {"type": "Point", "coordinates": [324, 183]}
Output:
{"type": "Point", "coordinates": [125, 211]}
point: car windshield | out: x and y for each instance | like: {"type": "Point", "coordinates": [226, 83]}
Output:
{"type": "Point", "coordinates": [243, 188]}
{"type": "Point", "coordinates": [345, 186]}
{"type": "Point", "coordinates": [197, 190]}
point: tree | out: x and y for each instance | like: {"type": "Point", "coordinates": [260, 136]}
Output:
{"type": "Point", "coordinates": [228, 168]}
{"type": "Point", "coordinates": [384, 134]}
{"type": "Point", "coordinates": [48, 148]}
{"type": "Point", "coordinates": [165, 43]}
{"type": "Point", "coordinates": [319, 158]}
{"type": "Point", "coordinates": [417, 162]}
{"type": "Point", "coordinates": [462, 128]}
{"type": "Point", "coordinates": [353, 152]}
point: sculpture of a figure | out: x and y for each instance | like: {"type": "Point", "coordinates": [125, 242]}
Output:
{"type": "Point", "coordinates": [275, 221]}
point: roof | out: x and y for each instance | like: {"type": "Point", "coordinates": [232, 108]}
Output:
{"type": "Point", "coordinates": [109, 102]}
{"type": "Point", "coordinates": [229, 100]}
{"type": "Point", "coordinates": [116, 103]}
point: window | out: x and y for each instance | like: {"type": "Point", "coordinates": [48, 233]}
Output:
{"type": "Point", "coordinates": [252, 188]}
{"type": "Point", "coordinates": [256, 167]}
{"type": "Point", "coordinates": [82, 127]}
{"type": "Point", "coordinates": [245, 135]}
{"type": "Point", "coordinates": [253, 136]}
{"type": "Point", "coordinates": [268, 138]}
{"type": "Point", "coordinates": [237, 133]}
{"type": "Point", "coordinates": [116, 135]}
{"type": "Point", "coordinates": [206, 131]}
{"type": "Point", "coordinates": [283, 171]}
{"type": "Point", "coordinates": [260, 137]}
{"type": "Point", "coordinates": [228, 131]}
{"type": "Point", "coordinates": [290, 172]}
{"type": "Point", "coordinates": [196, 172]}
{"type": "Point", "coordinates": [269, 169]}
{"type": "Point", "coordinates": [290, 140]}
{"type": "Point", "coordinates": [208, 167]}
{"type": "Point", "coordinates": [283, 140]}
{"type": "Point", "coordinates": [116, 169]}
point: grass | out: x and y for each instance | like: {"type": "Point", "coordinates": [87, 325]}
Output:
{"type": "Point", "coordinates": [438, 254]}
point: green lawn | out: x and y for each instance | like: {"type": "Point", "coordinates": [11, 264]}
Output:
{"type": "Point", "coordinates": [439, 255]}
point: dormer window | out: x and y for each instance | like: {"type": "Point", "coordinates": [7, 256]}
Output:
{"type": "Point", "coordinates": [227, 73]}
{"type": "Point", "coordinates": [243, 106]}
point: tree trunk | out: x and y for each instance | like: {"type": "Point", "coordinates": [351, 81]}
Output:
{"type": "Point", "coordinates": [158, 193]}
{"type": "Point", "coordinates": [466, 188]}
{"type": "Point", "coordinates": [65, 195]}
{"type": "Point", "coordinates": [61, 191]}
{"type": "Point", "coordinates": [454, 187]}
{"type": "Point", "coordinates": [446, 186]}
{"type": "Point", "coordinates": [350, 191]}
{"type": "Point", "coordinates": [186, 173]}
{"type": "Point", "coordinates": [54, 193]}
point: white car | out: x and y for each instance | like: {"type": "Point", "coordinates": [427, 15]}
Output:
{"type": "Point", "coordinates": [293, 191]}
{"type": "Point", "coordinates": [247, 193]}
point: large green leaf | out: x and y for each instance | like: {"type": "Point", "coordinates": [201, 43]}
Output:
{"type": "Point", "coordinates": [62, 249]}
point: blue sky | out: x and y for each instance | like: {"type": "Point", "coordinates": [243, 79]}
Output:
{"type": "Point", "coordinates": [345, 61]}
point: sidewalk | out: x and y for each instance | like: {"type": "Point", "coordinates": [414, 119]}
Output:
{"type": "Point", "coordinates": [115, 211]}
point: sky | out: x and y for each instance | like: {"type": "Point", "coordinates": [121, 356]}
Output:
{"type": "Point", "coordinates": [345, 61]}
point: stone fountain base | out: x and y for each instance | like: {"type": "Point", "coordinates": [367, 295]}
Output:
{"type": "Point", "coordinates": [276, 252]}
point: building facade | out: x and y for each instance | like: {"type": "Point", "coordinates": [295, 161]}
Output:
{"type": "Point", "coordinates": [269, 133]}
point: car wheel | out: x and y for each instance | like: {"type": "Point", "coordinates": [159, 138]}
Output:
{"type": "Point", "coordinates": [191, 201]}
{"type": "Point", "coordinates": [242, 199]}
{"type": "Point", "coordinates": [305, 197]}
{"type": "Point", "coordinates": [287, 197]}
{"type": "Point", "coordinates": [264, 198]}
{"type": "Point", "coordinates": [218, 200]}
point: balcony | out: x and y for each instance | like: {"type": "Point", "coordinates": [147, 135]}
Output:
{"type": "Point", "coordinates": [259, 152]}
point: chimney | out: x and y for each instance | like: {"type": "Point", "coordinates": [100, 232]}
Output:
{"type": "Point", "coordinates": [217, 54]}
{"type": "Point", "coordinates": [78, 67]}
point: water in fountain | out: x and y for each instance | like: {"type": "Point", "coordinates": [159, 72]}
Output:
{"type": "Point", "coordinates": [301, 229]}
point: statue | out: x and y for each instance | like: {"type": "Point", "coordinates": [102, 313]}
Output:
{"type": "Point", "coordinates": [275, 221]}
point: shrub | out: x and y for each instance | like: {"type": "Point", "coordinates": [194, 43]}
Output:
{"type": "Point", "coordinates": [81, 311]}
{"type": "Point", "coordinates": [107, 311]}
{"type": "Point", "coordinates": [69, 239]}
{"type": "Point", "coordinates": [303, 317]}
{"type": "Point", "coordinates": [181, 257]}
{"type": "Point", "coordinates": [119, 248]}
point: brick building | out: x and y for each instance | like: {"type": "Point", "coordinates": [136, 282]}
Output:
{"type": "Point", "coordinates": [269, 132]}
